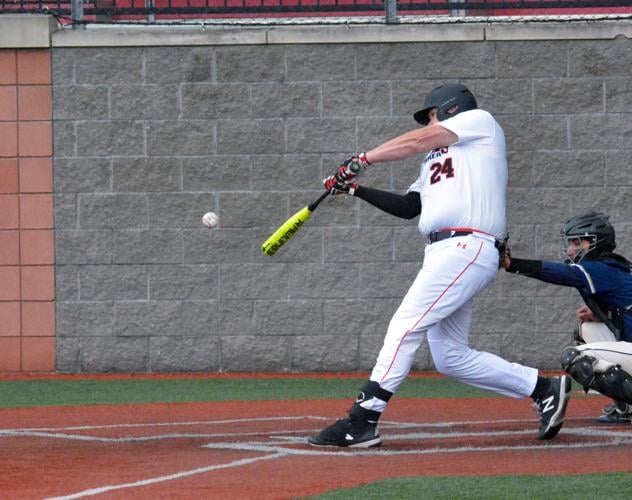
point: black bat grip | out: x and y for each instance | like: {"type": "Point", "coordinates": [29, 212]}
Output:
{"type": "Point", "coordinates": [312, 206]}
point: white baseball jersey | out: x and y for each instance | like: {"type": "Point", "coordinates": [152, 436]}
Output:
{"type": "Point", "coordinates": [464, 186]}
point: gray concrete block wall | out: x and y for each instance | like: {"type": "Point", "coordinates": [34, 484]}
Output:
{"type": "Point", "coordinates": [146, 140]}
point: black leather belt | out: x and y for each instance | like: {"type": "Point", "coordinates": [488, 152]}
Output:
{"type": "Point", "coordinates": [444, 235]}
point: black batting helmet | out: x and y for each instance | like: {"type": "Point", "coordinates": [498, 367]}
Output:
{"type": "Point", "coordinates": [592, 225]}
{"type": "Point", "coordinates": [449, 99]}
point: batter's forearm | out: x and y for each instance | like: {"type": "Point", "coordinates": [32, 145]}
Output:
{"type": "Point", "coordinates": [396, 149]}
{"type": "Point", "coordinates": [411, 143]}
{"type": "Point", "coordinates": [405, 206]}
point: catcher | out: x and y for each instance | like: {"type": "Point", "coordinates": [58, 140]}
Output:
{"type": "Point", "coordinates": [602, 357]}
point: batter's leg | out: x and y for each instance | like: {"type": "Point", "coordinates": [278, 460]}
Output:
{"type": "Point", "coordinates": [448, 341]}
{"type": "Point", "coordinates": [453, 357]}
{"type": "Point", "coordinates": [453, 272]}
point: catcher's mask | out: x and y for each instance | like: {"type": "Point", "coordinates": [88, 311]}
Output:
{"type": "Point", "coordinates": [449, 99]}
{"type": "Point", "coordinates": [593, 227]}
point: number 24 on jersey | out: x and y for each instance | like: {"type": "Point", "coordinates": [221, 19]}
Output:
{"type": "Point", "coordinates": [439, 170]}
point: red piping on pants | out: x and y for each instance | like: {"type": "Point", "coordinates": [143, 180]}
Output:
{"type": "Point", "coordinates": [428, 310]}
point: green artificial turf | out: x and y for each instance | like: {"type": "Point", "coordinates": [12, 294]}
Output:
{"type": "Point", "coordinates": [51, 392]}
{"type": "Point", "coordinates": [614, 486]}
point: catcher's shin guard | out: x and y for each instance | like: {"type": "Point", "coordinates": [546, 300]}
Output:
{"type": "Point", "coordinates": [370, 390]}
{"type": "Point", "coordinates": [614, 382]}
{"type": "Point", "coordinates": [579, 366]}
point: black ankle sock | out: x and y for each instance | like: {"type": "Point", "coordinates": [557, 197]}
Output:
{"type": "Point", "coordinates": [541, 387]}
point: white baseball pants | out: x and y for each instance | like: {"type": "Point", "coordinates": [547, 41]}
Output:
{"type": "Point", "coordinates": [439, 305]}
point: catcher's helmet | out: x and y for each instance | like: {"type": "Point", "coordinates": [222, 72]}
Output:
{"type": "Point", "coordinates": [449, 99]}
{"type": "Point", "coordinates": [593, 226]}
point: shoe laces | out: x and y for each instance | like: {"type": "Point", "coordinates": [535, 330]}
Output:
{"type": "Point", "coordinates": [539, 403]}
{"type": "Point", "coordinates": [538, 407]}
{"type": "Point", "coordinates": [358, 426]}
{"type": "Point", "coordinates": [344, 422]}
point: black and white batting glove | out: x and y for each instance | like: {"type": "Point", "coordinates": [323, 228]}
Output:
{"type": "Point", "coordinates": [334, 186]}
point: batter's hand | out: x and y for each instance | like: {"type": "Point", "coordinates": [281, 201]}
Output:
{"type": "Point", "coordinates": [585, 314]}
{"type": "Point", "coordinates": [346, 171]}
{"type": "Point", "coordinates": [504, 255]}
{"type": "Point", "coordinates": [334, 186]}
{"type": "Point", "coordinates": [506, 262]}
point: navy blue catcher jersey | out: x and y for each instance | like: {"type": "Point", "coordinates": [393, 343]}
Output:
{"type": "Point", "coordinates": [608, 282]}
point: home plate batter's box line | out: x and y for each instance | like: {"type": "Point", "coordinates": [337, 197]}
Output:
{"type": "Point", "coordinates": [169, 477]}
{"type": "Point", "coordinates": [383, 424]}
{"type": "Point", "coordinates": [170, 424]}
{"type": "Point", "coordinates": [289, 436]}
{"type": "Point", "coordinates": [616, 438]}
{"type": "Point", "coordinates": [283, 451]}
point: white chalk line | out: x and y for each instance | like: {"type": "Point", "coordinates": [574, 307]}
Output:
{"type": "Point", "coordinates": [166, 424]}
{"type": "Point", "coordinates": [383, 424]}
{"type": "Point", "coordinates": [138, 439]}
{"type": "Point", "coordinates": [53, 433]}
{"type": "Point", "coordinates": [169, 477]}
{"type": "Point", "coordinates": [300, 439]}
{"type": "Point", "coordinates": [275, 451]}
{"type": "Point", "coordinates": [265, 447]}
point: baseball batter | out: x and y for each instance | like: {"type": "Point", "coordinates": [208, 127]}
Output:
{"type": "Point", "coordinates": [460, 195]}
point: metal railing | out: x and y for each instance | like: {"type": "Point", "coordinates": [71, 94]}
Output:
{"type": "Point", "coordinates": [155, 11]}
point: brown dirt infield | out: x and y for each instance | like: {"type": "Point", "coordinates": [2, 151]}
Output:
{"type": "Point", "coordinates": [246, 450]}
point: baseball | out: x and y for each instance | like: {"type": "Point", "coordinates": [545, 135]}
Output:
{"type": "Point", "coordinates": [210, 220]}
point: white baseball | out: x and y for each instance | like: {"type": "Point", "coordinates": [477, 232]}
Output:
{"type": "Point", "coordinates": [210, 220]}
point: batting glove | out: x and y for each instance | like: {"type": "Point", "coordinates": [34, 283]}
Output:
{"type": "Point", "coordinates": [334, 186]}
{"type": "Point", "coordinates": [352, 167]}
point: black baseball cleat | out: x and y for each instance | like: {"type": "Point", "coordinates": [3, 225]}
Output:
{"type": "Point", "coordinates": [552, 406]}
{"type": "Point", "coordinates": [347, 433]}
{"type": "Point", "coordinates": [617, 413]}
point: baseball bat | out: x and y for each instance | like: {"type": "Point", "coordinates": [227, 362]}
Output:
{"type": "Point", "coordinates": [290, 227]}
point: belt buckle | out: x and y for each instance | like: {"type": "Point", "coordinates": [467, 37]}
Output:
{"type": "Point", "coordinates": [436, 236]}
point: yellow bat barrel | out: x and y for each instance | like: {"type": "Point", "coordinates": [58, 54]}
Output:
{"type": "Point", "coordinates": [289, 228]}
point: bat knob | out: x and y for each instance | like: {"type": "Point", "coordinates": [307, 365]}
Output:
{"type": "Point", "coordinates": [354, 167]}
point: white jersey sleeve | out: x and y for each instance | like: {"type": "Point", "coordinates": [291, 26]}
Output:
{"type": "Point", "coordinates": [476, 125]}
{"type": "Point", "coordinates": [464, 186]}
